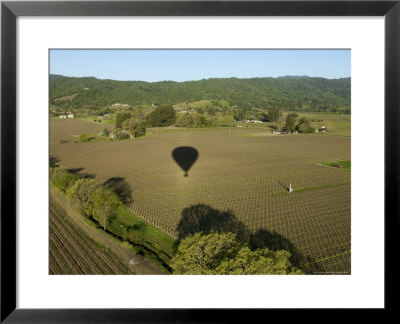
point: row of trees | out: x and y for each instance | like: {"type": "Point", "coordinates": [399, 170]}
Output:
{"type": "Point", "coordinates": [135, 122]}
{"type": "Point", "coordinates": [165, 115]}
{"type": "Point", "coordinates": [220, 119]}
{"type": "Point", "coordinates": [195, 119]}
{"type": "Point", "coordinates": [97, 202]}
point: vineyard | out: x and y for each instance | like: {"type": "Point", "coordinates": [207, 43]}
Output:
{"type": "Point", "coordinates": [73, 252]}
{"type": "Point", "coordinates": [242, 172]}
{"type": "Point", "coordinates": [78, 247]}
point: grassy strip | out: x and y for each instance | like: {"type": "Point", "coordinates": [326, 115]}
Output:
{"type": "Point", "coordinates": [312, 188]}
{"type": "Point", "coordinates": [141, 247]}
{"type": "Point", "coordinates": [344, 164]}
{"type": "Point", "coordinates": [103, 121]}
{"type": "Point", "coordinates": [153, 236]}
{"type": "Point", "coordinates": [337, 135]}
{"type": "Point", "coordinates": [86, 138]}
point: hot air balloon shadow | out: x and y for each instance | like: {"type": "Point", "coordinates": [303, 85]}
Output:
{"type": "Point", "coordinates": [185, 156]}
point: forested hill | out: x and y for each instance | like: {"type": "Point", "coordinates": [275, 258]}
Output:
{"type": "Point", "coordinates": [53, 76]}
{"type": "Point", "coordinates": [288, 93]}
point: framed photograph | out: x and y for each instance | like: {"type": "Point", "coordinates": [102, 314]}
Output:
{"type": "Point", "coordinates": [170, 161]}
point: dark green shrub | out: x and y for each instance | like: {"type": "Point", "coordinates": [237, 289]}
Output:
{"type": "Point", "coordinates": [122, 136]}
{"type": "Point", "coordinates": [161, 116]}
{"type": "Point", "coordinates": [65, 181]}
{"type": "Point", "coordinates": [139, 130]}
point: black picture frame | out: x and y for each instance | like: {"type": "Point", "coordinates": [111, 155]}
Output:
{"type": "Point", "coordinates": [10, 10]}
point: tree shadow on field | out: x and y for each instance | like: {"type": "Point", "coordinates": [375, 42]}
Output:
{"type": "Point", "coordinates": [75, 170]}
{"type": "Point", "coordinates": [78, 172]}
{"type": "Point", "coordinates": [275, 242]}
{"type": "Point", "coordinates": [53, 161]}
{"type": "Point", "coordinates": [203, 218]}
{"type": "Point", "coordinates": [121, 188]}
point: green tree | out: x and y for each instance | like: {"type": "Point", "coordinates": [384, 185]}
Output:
{"type": "Point", "coordinates": [130, 124]}
{"type": "Point", "coordinates": [290, 124]}
{"type": "Point", "coordinates": [201, 254]}
{"type": "Point", "coordinates": [304, 126]}
{"type": "Point", "coordinates": [203, 122]}
{"type": "Point", "coordinates": [138, 113]}
{"type": "Point", "coordinates": [260, 261]}
{"type": "Point", "coordinates": [105, 204]}
{"type": "Point", "coordinates": [120, 117]}
{"type": "Point", "coordinates": [133, 126]}
{"type": "Point", "coordinates": [137, 231]}
{"type": "Point", "coordinates": [122, 136]}
{"type": "Point", "coordinates": [162, 116]}
{"type": "Point", "coordinates": [82, 190]}
{"type": "Point", "coordinates": [139, 130]}
{"type": "Point", "coordinates": [222, 253]}
{"type": "Point", "coordinates": [62, 179]}
{"type": "Point", "coordinates": [273, 115]}
{"type": "Point", "coordinates": [222, 120]}
{"type": "Point", "coordinates": [185, 120]}
{"type": "Point", "coordinates": [240, 114]}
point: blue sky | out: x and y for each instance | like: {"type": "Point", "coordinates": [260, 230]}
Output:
{"type": "Point", "coordinates": [184, 65]}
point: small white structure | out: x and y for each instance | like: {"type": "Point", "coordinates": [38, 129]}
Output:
{"type": "Point", "coordinates": [70, 115]}
{"type": "Point", "coordinates": [62, 116]}
{"type": "Point", "coordinates": [133, 262]}
{"type": "Point", "coordinates": [290, 187]}
{"type": "Point", "coordinates": [119, 104]}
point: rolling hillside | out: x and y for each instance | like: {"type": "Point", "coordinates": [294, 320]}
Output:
{"type": "Point", "coordinates": [288, 93]}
